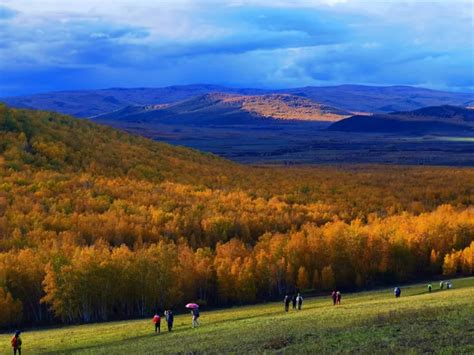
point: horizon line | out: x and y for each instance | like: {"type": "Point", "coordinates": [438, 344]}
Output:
{"type": "Point", "coordinates": [230, 86]}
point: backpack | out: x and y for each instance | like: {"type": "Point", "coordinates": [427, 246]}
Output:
{"type": "Point", "coordinates": [14, 342]}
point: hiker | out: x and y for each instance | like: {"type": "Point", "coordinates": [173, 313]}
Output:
{"type": "Point", "coordinates": [157, 322]}
{"type": "Point", "coordinates": [429, 288]}
{"type": "Point", "coordinates": [286, 301]}
{"type": "Point", "coordinates": [299, 300]}
{"type": "Point", "coordinates": [293, 301]}
{"type": "Point", "coordinates": [16, 343]}
{"type": "Point", "coordinates": [334, 297]}
{"type": "Point", "coordinates": [397, 292]}
{"type": "Point", "coordinates": [195, 313]}
{"type": "Point", "coordinates": [441, 285]}
{"type": "Point", "coordinates": [338, 297]}
{"type": "Point", "coordinates": [169, 319]}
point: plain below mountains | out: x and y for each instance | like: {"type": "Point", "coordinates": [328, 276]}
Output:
{"type": "Point", "coordinates": [353, 98]}
{"type": "Point", "coordinates": [436, 119]}
{"type": "Point", "coordinates": [228, 109]}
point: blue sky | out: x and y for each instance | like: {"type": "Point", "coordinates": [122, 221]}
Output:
{"type": "Point", "coordinates": [83, 44]}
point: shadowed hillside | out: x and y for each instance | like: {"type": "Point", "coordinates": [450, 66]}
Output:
{"type": "Point", "coordinates": [438, 119]}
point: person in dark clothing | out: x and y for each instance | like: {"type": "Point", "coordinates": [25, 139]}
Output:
{"type": "Point", "coordinates": [169, 319]}
{"type": "Point", "coordinates": [397, 292]}
{"type": "Point", "coordinates": [196, 315]}
{"type": "Point", "coordinates": [286, 301]}
{"type": "Point", "coordinates": [338, 297]}
{"type": "Point", "coordinates": [334, 297]}
{"type": "Point", "coordinates": [293, 301]}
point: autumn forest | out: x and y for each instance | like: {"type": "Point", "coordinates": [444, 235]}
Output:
{"type": "Point", "coordinates": [97, 224]}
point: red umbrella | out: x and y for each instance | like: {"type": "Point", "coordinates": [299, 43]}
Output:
{"type": "Point", "coordinates": [192, 305]}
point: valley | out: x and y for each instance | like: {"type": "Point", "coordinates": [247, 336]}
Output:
{"type": "Point", "coordinates": [310, 143]}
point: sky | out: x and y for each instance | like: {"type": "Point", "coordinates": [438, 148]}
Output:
{"type": "Point", "coordinates": [52, 45]}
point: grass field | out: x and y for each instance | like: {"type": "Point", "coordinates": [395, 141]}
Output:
{"type": "Point", "coordinates": [366, 322]}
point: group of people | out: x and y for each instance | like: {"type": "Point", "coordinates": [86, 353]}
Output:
{"type": "Point", "coordinates": [296, 300]}
{"type": "Point", "coordinates": [336, 297]}
{"type": "Point", "coordinates": [448, 285]}
{"type": "Point", "coordinates": [169, 320]}
{"type": "Point", "coordinates": [169, 316]}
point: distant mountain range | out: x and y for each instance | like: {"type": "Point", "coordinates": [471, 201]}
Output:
{"type": "Point", "coordinates": [352, 98]}
{"type": "Point", "coordinates": [227, 109]}
{"type": "Point", "coordinates": [437, 119]}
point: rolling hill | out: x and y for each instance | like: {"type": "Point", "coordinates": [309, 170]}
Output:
{"type": "Point", "coordinates": [357, 98]}
{"type": "Point", "coordinates": [87, 103]}
{"type": "Point", "coordinates": [32, 140]}
{"type": "Point", "coordinates": [437, 119]}
{"type": "Point", "coordinates": [228, 109]}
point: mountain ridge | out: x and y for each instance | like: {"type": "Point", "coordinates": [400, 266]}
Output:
{"type": "Point", "coordinates": [360, 98]}
{"type": "Point", "coordinates": [219, 108]}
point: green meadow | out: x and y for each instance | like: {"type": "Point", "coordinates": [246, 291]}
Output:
{"type": "Point", "coordinates": [365, 322]}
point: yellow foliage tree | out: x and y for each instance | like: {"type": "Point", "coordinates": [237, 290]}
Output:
{"type": "Point", "coordinates": [303, 281]}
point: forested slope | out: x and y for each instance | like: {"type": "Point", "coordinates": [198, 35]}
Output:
{"type": "Point", "coordinates": [97, 224]}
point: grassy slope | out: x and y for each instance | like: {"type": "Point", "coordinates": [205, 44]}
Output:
{"type": "Point", "coordinates": [367, 322]}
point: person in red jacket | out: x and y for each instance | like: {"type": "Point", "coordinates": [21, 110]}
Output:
{"type": "Point", "coordinates": [157, 322]}
{"type": "Point", "coordinates": [16, 343]}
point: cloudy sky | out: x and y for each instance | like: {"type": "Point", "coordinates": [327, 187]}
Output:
{"type": "Point", "coordinates": [80, 44]}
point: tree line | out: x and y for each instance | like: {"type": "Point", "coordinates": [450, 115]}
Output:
{"type": "Point", "coordinates": [62, 280]}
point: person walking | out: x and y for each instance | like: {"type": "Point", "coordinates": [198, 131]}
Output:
{"type": "Point", "coordinates": [299, 300]}
{"type": "Point", "coordinates": [441, 284]}
{"type": "Point", "coordinates": [16, 343]}
{"type": "Point", "coordinates": [334, 297]}
{"type": "Point", "coordinates": [338, 297]}
{"type": "Point", "coordinates": [286, 301]}
{"type": "Point", "coordinates": [157, 322]}
{"type": "Point", "coordinates": [429, 287]}
{"type": "Point", "coordinates": [397, 292]}
{"type": "Point", "coordinates": [195, 313]}
{"type": "Point", "coordinates": [169, 319]}
{"type": "Point", "coordinates": [294, 301]}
